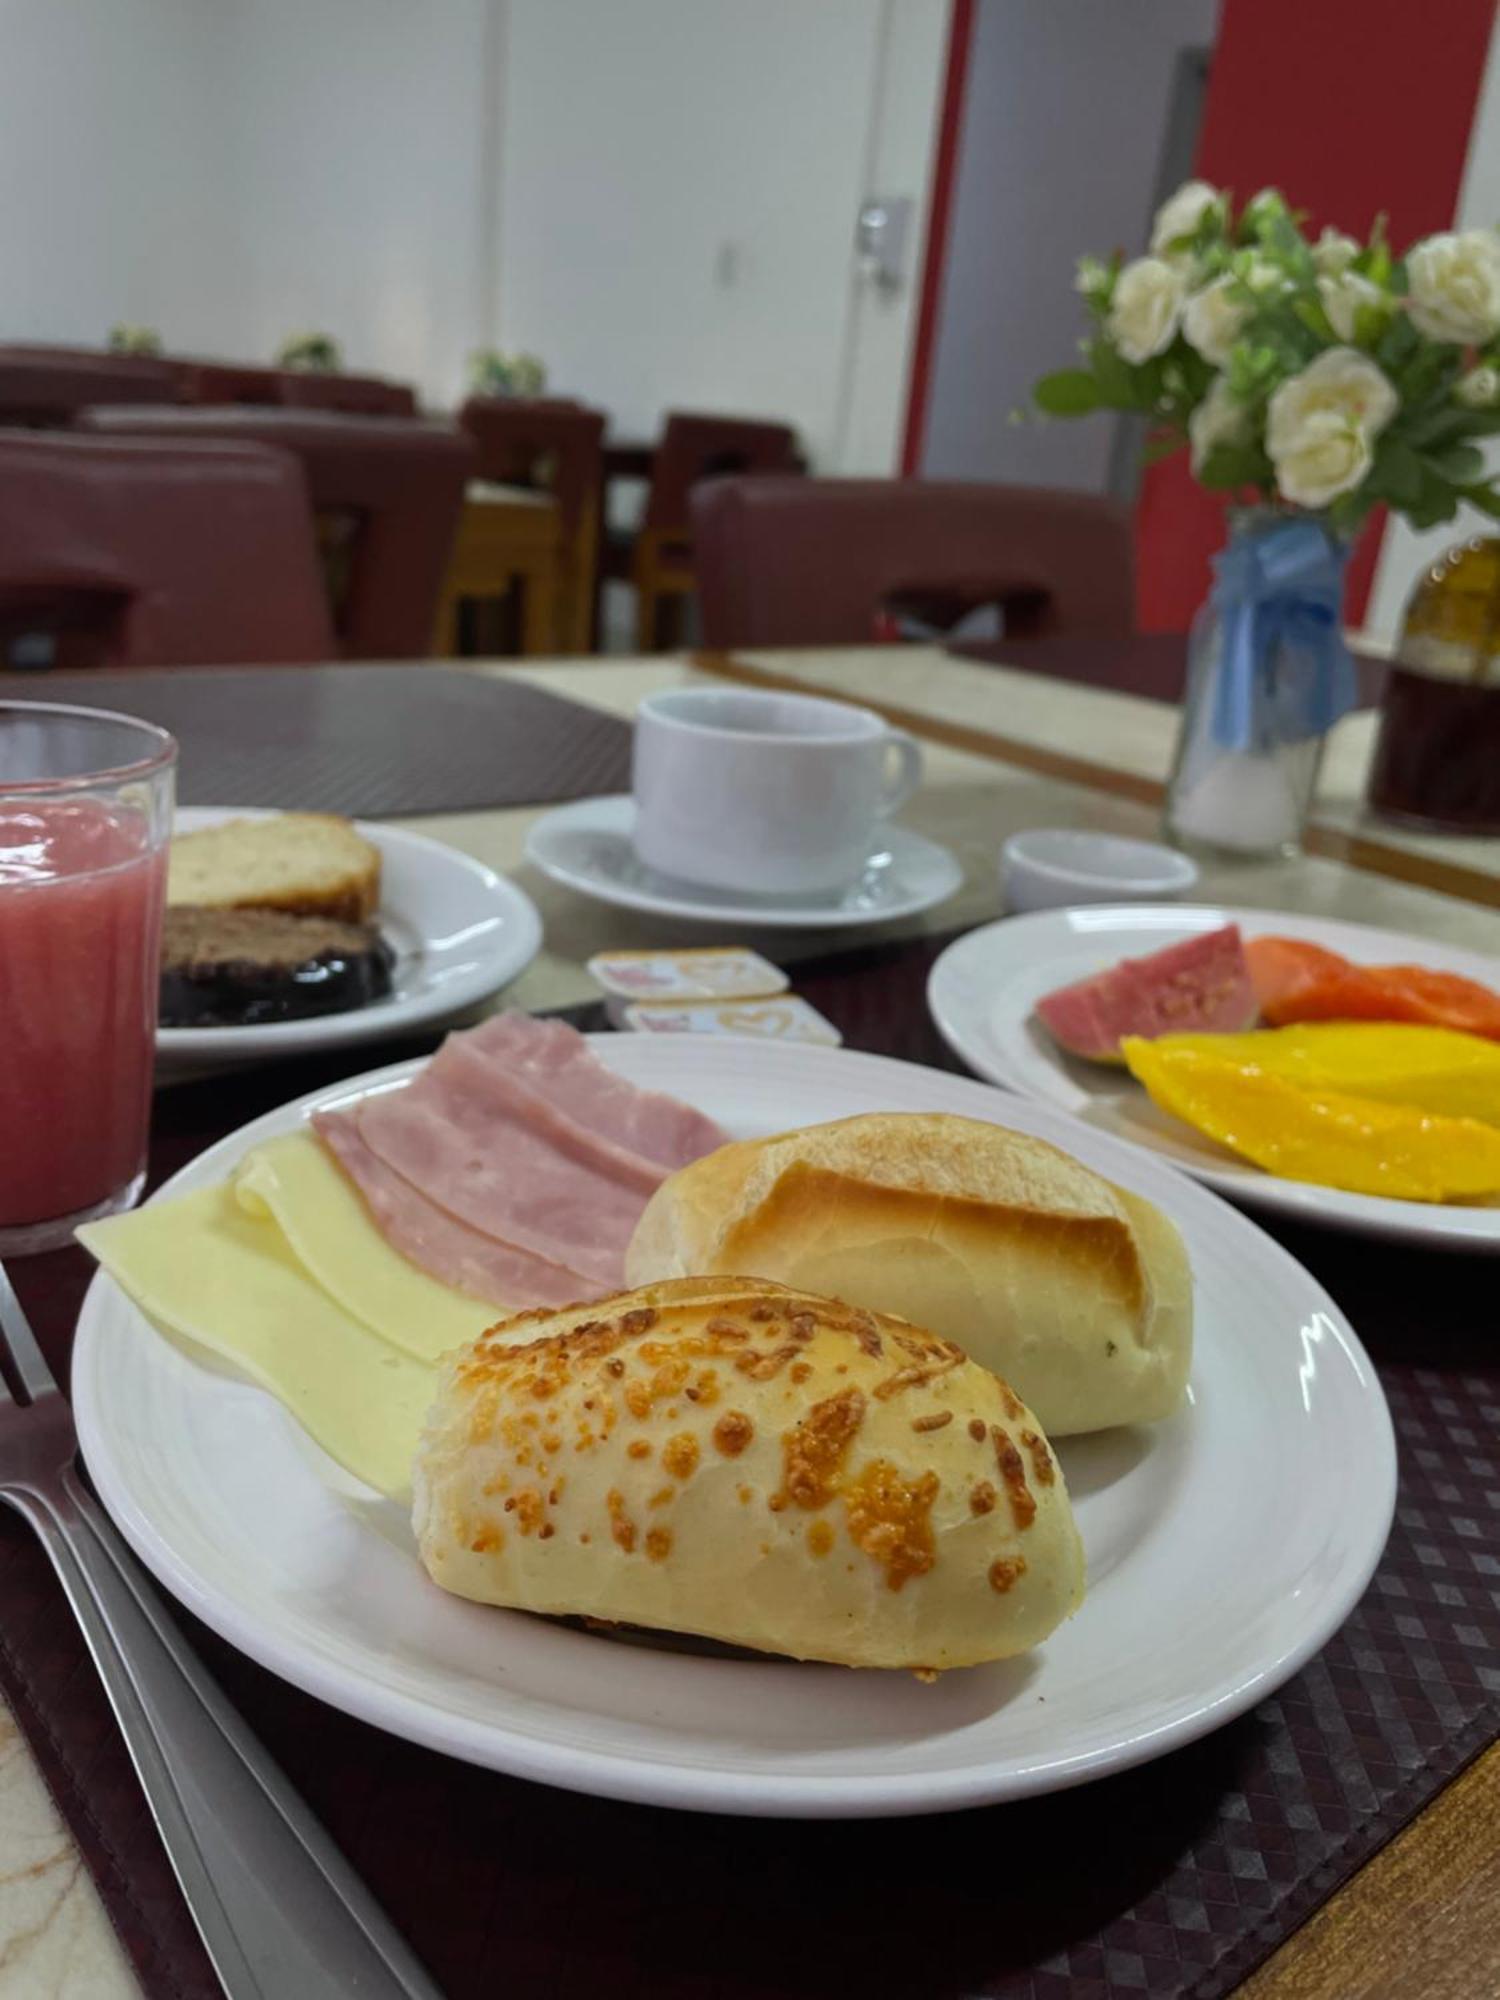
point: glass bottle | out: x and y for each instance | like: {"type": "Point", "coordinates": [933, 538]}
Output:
{"type": "Point", "coordinates": [1437, 754]}
{"type": "Point", "coordinates": [1267, 677]}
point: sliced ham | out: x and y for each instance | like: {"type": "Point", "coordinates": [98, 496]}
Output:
{"type": "Point", "coordinates": [465, 1258]}
{"type": "Point", "coordinates": [515, 1166]}
{"type": "Point", "coordinates": [555, 1061]}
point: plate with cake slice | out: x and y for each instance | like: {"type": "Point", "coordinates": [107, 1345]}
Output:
{"type": "Point", "coordinates": [293, 931]}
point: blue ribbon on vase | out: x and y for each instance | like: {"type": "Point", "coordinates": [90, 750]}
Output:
{"type": "Point", "coordinates": [1284, 671]}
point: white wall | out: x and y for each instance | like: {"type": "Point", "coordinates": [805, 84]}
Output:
{"type": "Point", "coordinates": [113, 171]}
{"type": "Point", "coordinates": [659, 196]}
{"type": "Point", "coordinates": [1064, 120]}
{"type": "Point", "coordinates": [679, 186]}
{"type": "Point", "coordinates": [357, 145]}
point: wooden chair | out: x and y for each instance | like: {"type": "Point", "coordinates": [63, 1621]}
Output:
{"type": "Point", "coordinates": [552, 446]}
{"type": "Point", "coordinates": [135, 552]}
{"type": "Point", "coordinates": [658, 558]}
{"type": "Point", "coordinates": [834, 562]}
{"type": "Point", "coordinates": [387, 497]}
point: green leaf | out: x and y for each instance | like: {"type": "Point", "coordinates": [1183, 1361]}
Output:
{"type": "Point", "coordinates": [1070, 392]}
{"type": "Point", "coordinates": [1460, 464]}
{"type": "Point", "coordinates": [1118, 383]}
{"type": "Point", "coordinates": [1232, 465]}
{"type": "Point", "coordinates": [1485, 498]}
{"type": "Point", "coordinates": [1398, 473]}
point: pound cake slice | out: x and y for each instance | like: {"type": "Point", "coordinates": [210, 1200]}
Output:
{"type": "Point", "coordinates": [312, 864]}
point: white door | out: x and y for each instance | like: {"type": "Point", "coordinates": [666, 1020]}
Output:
{"type": "Point", "coordinates": [679, 183]}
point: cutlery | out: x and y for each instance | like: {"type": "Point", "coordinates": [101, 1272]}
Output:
{"type": "Point", "coordinates": [279, 1909]}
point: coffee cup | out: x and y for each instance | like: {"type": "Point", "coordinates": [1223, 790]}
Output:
{"type": "Point", "coordinates": [764, 794]}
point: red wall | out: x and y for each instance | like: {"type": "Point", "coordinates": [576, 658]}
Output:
{"type": "Point", "coordinates": [1349, 107]}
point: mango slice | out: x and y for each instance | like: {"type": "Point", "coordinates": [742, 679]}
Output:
{"type": "Point", "coordinates": [1432, 1069]}
{"type": "Point", "coordinates": [1331, 1138]}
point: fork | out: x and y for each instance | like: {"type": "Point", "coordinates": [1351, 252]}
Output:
{"type": "Point", "coordinates": [282, 1914]}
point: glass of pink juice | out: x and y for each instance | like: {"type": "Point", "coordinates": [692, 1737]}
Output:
{"type": "Point", "coordinates": [85, 816]}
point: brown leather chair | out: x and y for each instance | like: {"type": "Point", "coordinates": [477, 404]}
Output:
{"type": "Point", "coordinates": [45, 387]}
{"type": "Point", "coordinates": [387, 497]}
{"type": "Point", "coordinates": [658, 558]}
{"type": "Point", "coordinates": [556, 445]}
{"type": "Point", "coordinates": [349, 395]}
{"type": "Point", "coordinates": [829, 562]}
{"type": "Point", "coordinates": [132, 552]}
{"type": "Point", "coordinates": [223, 382]}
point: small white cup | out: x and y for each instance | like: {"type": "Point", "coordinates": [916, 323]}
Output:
{"type": "Point", "coordinates": [765, 794]}
{"type": "Point", "coordinates": [1053, 868]}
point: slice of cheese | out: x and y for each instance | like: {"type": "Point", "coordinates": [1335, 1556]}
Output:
{"type": "Point", "coordinates": [293, 1182]}
{"type": "Point", "coordinates": [214, 1273]}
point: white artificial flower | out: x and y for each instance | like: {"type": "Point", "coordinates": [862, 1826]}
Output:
{"type": "Point", "coordinates": [1092, 276]}
{"type": "Point", "coordinates": [1220, 418]}
{"type": "Point", "coordinates": [1455, 286]}
{"type": "Point", "coordinates": [1181, 213]}
{"type": "Point", "coordinates": [1332, 455]}
{"type": "Point", "coordinates": [1262, 275]}
{"type": "Point", "coordinates": [1321, 425]}
{"type": "Point", "coordinates": [1343, 297]}
{"type": "Point", "coordinates": [1147, 308]}
{"type": "Point", "coordinates": [1212, 320]}
{"type": "Point", "coordinates": [1480, 388]}
{"type": "Point", "coordinates": [1334, 252]}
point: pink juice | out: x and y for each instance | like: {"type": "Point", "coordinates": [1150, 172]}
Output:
{"type": "Point", "coordinates": [81, 892]}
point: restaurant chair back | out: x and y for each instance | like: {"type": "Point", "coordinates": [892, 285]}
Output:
{"type": "Point", "coordinates": [386, 497]}
{"type": "Point", "coordinates": [658, 558]}
{"type": "Point", "coordinates": [133, 552]}
{"type": "Point", "coordinates": [349, 395]}
{"type": "Point", "coordinates": [44, 388]}
{"type": "Point", "coordinates": [223, 382]}
{"type": "Point", "coordinates": [558, 447]}
{"type": "Point", "coordinates": [839, 562]}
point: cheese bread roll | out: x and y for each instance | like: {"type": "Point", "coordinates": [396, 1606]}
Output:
{"type": "Point", "coordinates": [751, 1463]}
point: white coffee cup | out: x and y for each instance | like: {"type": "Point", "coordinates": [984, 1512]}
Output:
{"type": "Point", "coordinates": [766, 794]}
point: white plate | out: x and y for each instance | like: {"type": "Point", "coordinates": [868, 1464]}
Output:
{"type": "Point", "coordinates": [1224, 1547]}
{"type": "Point", "coordinates": [587, 846]}
{"type": "Point", "coordinates": [459, 931]}
{"type": "Point", "coordinates": [983, 990]}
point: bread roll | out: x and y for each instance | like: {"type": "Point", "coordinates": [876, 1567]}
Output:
{"type": "Point", "coordinates": [1076, 1291]}
{"type": "Point", "coordinates": [754, 1464]}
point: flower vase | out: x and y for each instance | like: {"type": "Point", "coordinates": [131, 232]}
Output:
{"type": "Point", "coordinates": [1268, 676]}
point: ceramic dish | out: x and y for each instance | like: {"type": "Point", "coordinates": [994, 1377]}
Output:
{"type": "Point", "coordinates": [1052, 868]}
{"type": "Point", "coordinates": [459, 931]}
{"type": "Point", "coordinates": [588, 847]}
{"type": "Point", "coordinates": [1224, 1547]}
{"type": "Point", "coordinates": [983, 990]}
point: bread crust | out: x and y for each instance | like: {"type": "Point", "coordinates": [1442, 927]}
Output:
{"type": "Point", "coordinates": [754, 1464]}
{"type": "Point", "coordinates": [1075, 1290]}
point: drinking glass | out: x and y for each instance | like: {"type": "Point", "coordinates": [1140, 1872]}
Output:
{"type": "Point", "coordinates": [85, 816]}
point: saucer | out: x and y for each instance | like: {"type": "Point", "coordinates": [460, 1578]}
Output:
{"type": "Point", "coordinates": [587, 846]}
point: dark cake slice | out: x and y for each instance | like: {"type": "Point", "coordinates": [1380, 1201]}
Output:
{"type": "Point", "coordinates": [241, 968]}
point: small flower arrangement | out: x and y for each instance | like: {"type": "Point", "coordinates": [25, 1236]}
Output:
{"type": "Point", "coordinates": [1325, 376]}
{"type": "Point", "coordinates": [492, 373]}
{"type": "Point", "coordinates": [318, 353]}
{"type": "Point", "coordinates": [126, 339]}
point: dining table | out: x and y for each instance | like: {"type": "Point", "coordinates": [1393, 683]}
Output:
{"type": "Point", "coordinates": [1341, 1839]}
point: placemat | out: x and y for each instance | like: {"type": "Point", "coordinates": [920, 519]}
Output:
{"type": "Point", "coordinates": [372, 742]}
{"type": "Point", "coordinates": [1174, 1880]}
